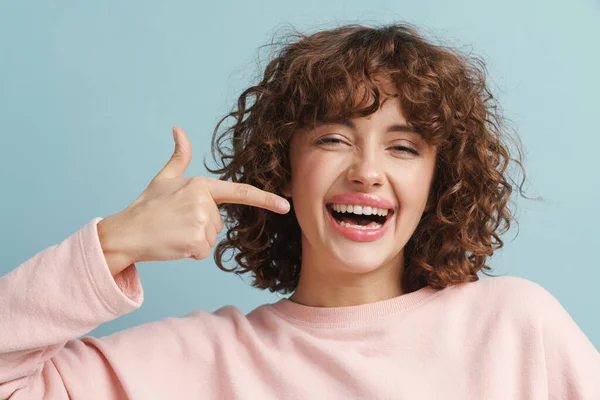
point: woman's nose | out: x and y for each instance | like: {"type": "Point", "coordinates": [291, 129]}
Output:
{"type": "Point", "coordinates": [366, 171]}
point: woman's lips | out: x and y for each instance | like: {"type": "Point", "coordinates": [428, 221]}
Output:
{"type": "Point", "coordinates": [357, 234]}
{"type": "Point", "coordinates": [364, 199]}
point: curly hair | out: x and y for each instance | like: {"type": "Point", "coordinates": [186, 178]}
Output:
{"type": "Point", "coordinates": [312, 80]}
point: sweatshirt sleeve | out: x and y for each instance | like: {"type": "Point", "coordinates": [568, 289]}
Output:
{"type": "Point", "coordinates": [47, 302]}
{"type": "Point", "coordinates": [572, 361]}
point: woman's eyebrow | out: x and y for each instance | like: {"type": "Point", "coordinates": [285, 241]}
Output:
{"type": "Point", "coordinates": [391, 128]}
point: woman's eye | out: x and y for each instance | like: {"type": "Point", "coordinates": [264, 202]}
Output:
{"type": "Point", "coordinates": [405, 149]}
{"type": "Point", "coordinates": [329, 140]}
{"type": "Point", "coordinates": [336, 142]}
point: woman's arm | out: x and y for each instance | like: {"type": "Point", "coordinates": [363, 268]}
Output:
{"type": "Point", "coordinates": [56, 296]}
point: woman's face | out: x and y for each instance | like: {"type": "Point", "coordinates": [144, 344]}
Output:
{"type": "Point", "coordinates": [375, 161]}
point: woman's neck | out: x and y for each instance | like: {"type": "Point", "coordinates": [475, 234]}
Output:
{"type": "Point", "coordinates": [324, 285]}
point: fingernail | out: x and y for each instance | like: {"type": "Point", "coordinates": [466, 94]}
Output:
{"type": "Point", "coordinates": [284, 205]}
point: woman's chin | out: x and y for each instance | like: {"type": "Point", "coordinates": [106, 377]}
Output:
{"type": "Point", "coordinates": [358, 261]}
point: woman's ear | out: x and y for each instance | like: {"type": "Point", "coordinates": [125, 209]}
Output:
{"type": "Point", "coordinates": [286, 191]}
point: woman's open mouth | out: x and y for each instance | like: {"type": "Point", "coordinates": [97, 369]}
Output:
{"type": "Point", "coordinates": [358, 222]}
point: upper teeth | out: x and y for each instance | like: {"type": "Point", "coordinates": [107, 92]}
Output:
{"type": "Point", "coordinates": [360, 210]}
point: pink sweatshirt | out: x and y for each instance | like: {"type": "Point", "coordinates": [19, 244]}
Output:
{"type": "Point", "coordinates": [499, 338]}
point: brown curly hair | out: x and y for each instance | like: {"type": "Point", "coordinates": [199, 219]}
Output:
{"type": "Point", "coordinates": [312, 80]}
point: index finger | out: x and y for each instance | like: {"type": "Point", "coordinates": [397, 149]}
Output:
{"type": "Point", "coordinates": [242, 193]}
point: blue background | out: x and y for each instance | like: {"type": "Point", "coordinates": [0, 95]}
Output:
{"type": "Point", "coordinates": [89, 92]}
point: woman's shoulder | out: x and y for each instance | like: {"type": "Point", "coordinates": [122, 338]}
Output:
{"type": "Point", "coordinates": [506, 285]}
{"type": "Point", "coordinates": [509, 295]}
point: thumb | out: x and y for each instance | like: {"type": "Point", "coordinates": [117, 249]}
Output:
{"type": "Point", "coordinates": [181, 157]}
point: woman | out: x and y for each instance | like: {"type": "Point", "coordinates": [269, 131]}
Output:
{"type": "Point", "coordinates": [392, 158]}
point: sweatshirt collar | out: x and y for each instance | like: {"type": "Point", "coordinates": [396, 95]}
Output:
{"type": "Point", "coordinates": [302, 314]}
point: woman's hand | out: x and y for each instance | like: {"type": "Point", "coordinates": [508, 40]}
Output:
{"type": "Point", "coordinates": [176, 217]}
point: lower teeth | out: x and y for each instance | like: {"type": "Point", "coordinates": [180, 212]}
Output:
{"type": "Point", "coordinates": [347, 225]}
